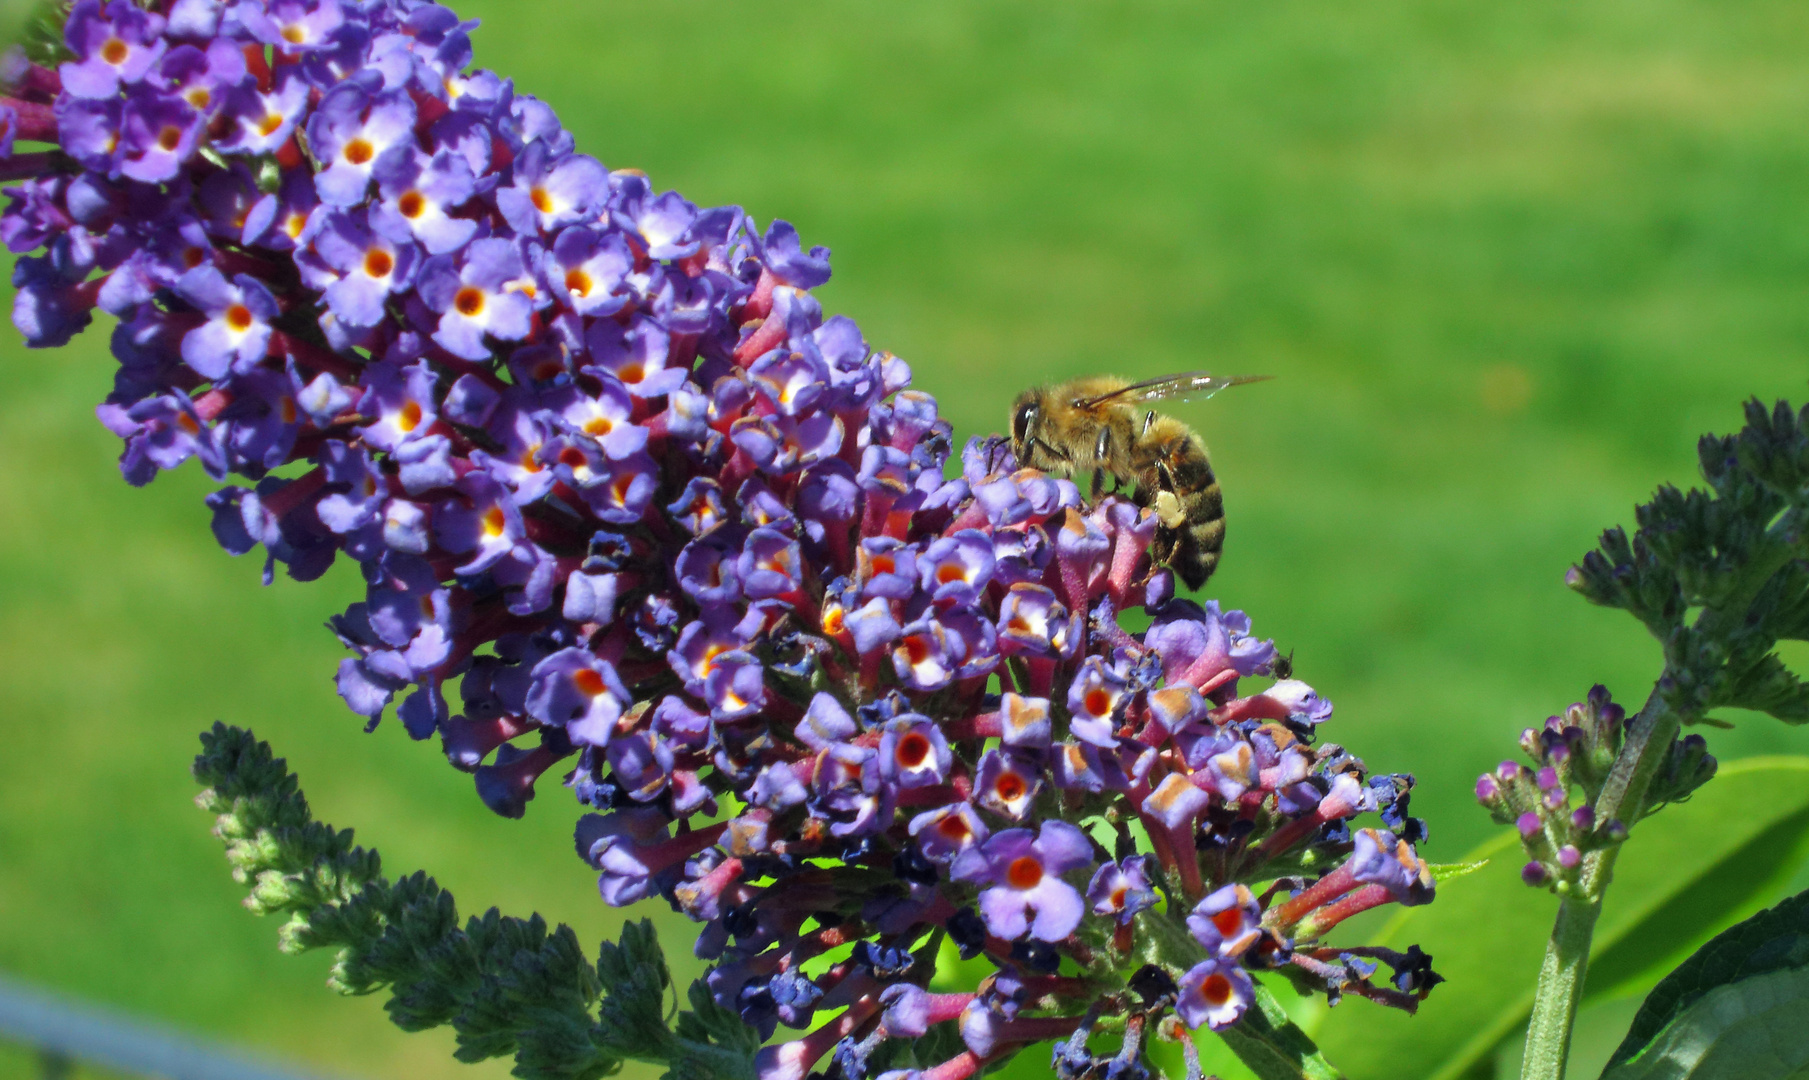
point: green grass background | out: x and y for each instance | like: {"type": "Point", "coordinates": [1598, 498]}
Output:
{"type": "Point", "coordinates": [1505, 261]}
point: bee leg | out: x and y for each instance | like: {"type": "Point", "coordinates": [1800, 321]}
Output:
{"type": "Point", "coordinates": [1098, 482]}
{"type": "Point", "coordinates": [1169, 510]}
{"type": "Point", "coordinates": [1149, 421]}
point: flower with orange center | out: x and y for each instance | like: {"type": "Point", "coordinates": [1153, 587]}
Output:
{"type": "Point", "coordinates": [1122, 889]}
{"type": "Point", "coordinates": [913, 751]}
{"type": "Point", "coordinates": [1093, 700]}
{"type": "Point", "coordinates": [1028, 895]}
{"type": "Point", "coordinates": [1227, 922]}
{"type": "Point", "coordinates": [1007, 784]}
{"type": "Point", "coordinates": [947, 831]}
{"type": "Point", "coordinates": [1214, 993]}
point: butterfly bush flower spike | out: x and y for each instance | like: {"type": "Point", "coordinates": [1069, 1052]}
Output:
{"type": "Point", "coordinates": [635, 516]}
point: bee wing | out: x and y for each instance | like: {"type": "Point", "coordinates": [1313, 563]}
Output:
{"type": "Point", "coordinates": [1187, 386]}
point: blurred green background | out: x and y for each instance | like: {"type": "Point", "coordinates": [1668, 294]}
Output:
{"type": "Point", "coordinates": [1506, 262]}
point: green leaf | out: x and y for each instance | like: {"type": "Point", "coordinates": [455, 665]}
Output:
{"type": "Point", "coordinates": [1443, 872]}
{"type": "Point", "coordinates": [633, 1015]}
{"type": "Point", "coordinates": [1749, 1030]}
{"type": "Point", "coordinates": [1273, 1047]}
{"type": "Point", "coordinates": [1693, 1008]}
{"type": "Point", "coordinates": [1701, 866]}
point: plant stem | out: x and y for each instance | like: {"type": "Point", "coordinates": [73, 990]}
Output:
{"type": "Point", "coordinates": [1566, 966]}
{"type": "Point", "coordinates": [1623, 796]}
{"type": "Point", "coordinates": [1560, 988]}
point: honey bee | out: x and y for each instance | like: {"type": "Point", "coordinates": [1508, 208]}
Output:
{"type": "Point", "coordinates": [1092, 426]}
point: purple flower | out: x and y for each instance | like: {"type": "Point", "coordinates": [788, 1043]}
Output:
{"type": "Point", "coordinates": [418, 195]}
{"type": "Point", "coordinates": [550, 191]}
{"type": "Point", "coordinates": [1007, 784]}
{"type": "Point", "coordinates": [485, 525]}
{"type": "Point", "coordinates": [1214, 993]}
{"type": "Point", "coordinates": [620, 845]}
{"type": "Point", "coordinates": [120, 46]}
{"type": "Point", "coordinates": [789, 262]}
{"type": "Point", "coordinates": [769, 565]}
{"type": "Point", "coordinates": [956, 569]}
{"type": "Point", "coordinates": [575, 690]}
{"type": "Point", "coordinates": [373, 267]}
{"type": "Point", "coordinates": [400, 402]}
{"type": "Point", "coordinates": [291, 25]}
{"type": "Point", "coordinates": [1381, 859]}
{"type": "Point", "coordinates": [158, 133]}
{"type": "Point", "coordinates": [260, 122]}
{"type": "Point", "coordinates": [89, 131]}
{"type": "Point", "coordinates": [1175, 707]}
{"type": "Point", "coordinates": [588, 271]}
{"type": "Point", "coordinates": [472, 297]}
{"type": "Point", "coordinates": [792, 382]}
{"type": "Point", "coordinates": [1176, 803]}
{"type": "Point", "coordinates": [825, 722]}
{"type": "Point", "coordinates": [1032, 622]}
{"type": "Point", "coordinates": [350, 130]}
{"type": "Point", "coordinates": [52, 305]}
{"type": "Point", "coordinates": [913, 752]}
{"type": "Point", "coordinates": [161, 433]}
{"type": "Point", "coordinates": [623, 496]}
{"type": "Point", "coordinates": [1028, 894]}
{"type": "Point", "coordinates": [943, 834]}
{"type": "Point", "coordinates": [660, 223]}
{"type": "Point", "coordinates": [1024, 722]}
{"type": "Point", "coordinates": [1227, 922]}
{"type": "Point", "coordinates": [1302, 702]}
{"type": "Point", "coordinates": [927, 655]}
{"type": "Point", "coordinates": [605, 417]}
{"type": "Point", "coordinates": [1093, 700]}
{"type": "Point", "coordinates": [1121, 889]}
{"type": "Point", "coordinates": [202, 78]}
{"type": "Point", "coordinates": [848, 785]}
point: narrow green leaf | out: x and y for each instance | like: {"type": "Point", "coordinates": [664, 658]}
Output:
{"type": "Point", "coordinates": [1693, 870]}
{"type": "Point", "coordinates": [1273, 1047]}
{"type": "Point", "coordinates": [1443, 872]}
{"type": "Point", "coordinates": [1773, 941]}
{"type": "Point", "coordinates": [1749, 1030]}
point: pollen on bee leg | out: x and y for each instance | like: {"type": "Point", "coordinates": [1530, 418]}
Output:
{"type": "Point", "coordinates": [1168, 510]}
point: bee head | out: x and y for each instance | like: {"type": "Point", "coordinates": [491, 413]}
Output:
{"type": "Point", "coordinates": [1023, 419]}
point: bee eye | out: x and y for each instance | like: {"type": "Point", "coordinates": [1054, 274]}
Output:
{"type": "Point", "coordinates": [1020, 424]}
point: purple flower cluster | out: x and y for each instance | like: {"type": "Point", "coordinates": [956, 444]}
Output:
{"type": "Point", "coordinates": [1574, 753]}
{"type": "Point", "coordinates": [609, 471]}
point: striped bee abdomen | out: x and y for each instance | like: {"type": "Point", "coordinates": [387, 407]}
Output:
{"type": "Point", "coordinates": [1193, 533]}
